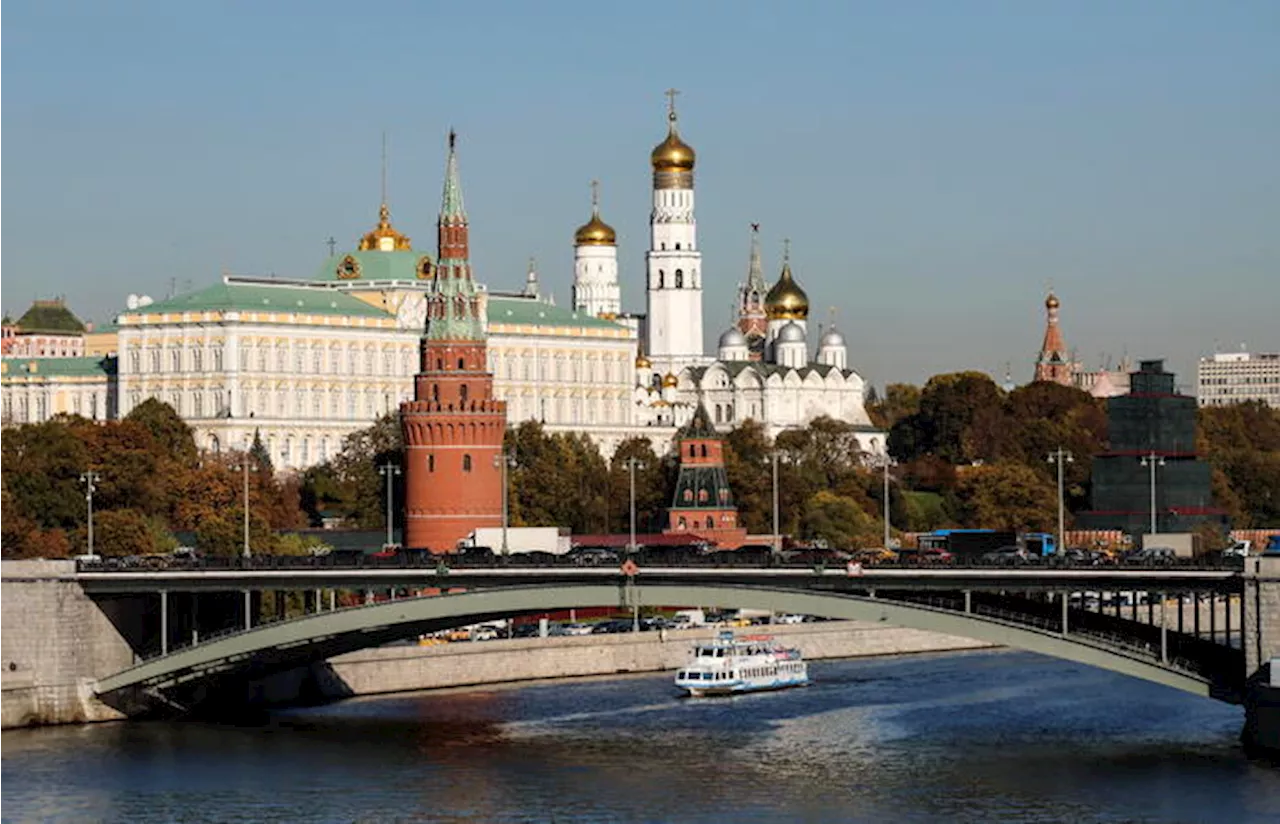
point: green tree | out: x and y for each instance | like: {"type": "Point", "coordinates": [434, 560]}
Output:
{"type": "Point", "coordinates": [169, 432]}
{"type": "Point", "coordinates": [260, 454]}
{"type": "Point", "coordinates": [839, 521]}
{"type": "Point", "coordinates": [748, 468]}
{"type": "Point", "coordinates": [651, 492]}
{"type": "Point", "coordinates": [901, 400]}
{"type": "Point", "coordinates": [42, 464]}
{"type": "Point", "coordinates": [959, 416]}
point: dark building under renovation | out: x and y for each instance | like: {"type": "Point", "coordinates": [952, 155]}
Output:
{"type": "Point", "coordinates": [1153, 428]}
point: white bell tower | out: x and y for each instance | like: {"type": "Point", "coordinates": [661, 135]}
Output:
{"type": "Point", "coordinates": [673, 262]}
{"type": "Point", "coordinates": [595, 264]}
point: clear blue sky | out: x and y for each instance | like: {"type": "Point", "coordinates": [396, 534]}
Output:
{"type": "Point", "coordinates": [935, 164]}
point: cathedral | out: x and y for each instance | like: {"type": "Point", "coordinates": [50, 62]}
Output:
{"type": "Point", "coordinates": [305, 361]}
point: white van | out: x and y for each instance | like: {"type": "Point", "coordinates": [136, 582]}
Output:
{"type": "Point", "coordinates": [687, 618]}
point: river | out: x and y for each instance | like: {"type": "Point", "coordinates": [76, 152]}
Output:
{"type": "Point", "coordinates": [990, 736]}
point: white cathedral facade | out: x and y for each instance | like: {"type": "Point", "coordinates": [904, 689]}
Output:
{"type": "Point", "coordinates": [304, 362]}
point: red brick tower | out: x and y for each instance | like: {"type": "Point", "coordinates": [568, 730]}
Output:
{"type": "Point", "coordinates": [1054, 364]}
{"type": "Point", "coordinates": [703, 503]}
{"type": "Point", "coordinates": [453, 427]}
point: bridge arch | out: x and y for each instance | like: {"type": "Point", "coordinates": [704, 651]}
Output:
{"type": "Point", "coordinates": [273, 648]}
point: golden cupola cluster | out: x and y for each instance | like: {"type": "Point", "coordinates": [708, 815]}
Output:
{"type": "Point", "coordinates": [595, 232]}
{"type": "Point", "coordinates": [786, 300]}
{"type": "Point", "coordinates": [384, 237]}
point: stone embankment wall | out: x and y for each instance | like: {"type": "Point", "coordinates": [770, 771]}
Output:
{"type": "Point", "coordinates": [55, 643]}
{"type": "Point", "coordinates": [403, 668]}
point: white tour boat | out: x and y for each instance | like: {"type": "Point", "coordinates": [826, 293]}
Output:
{"type": "Point", "coordinates": [728, 665]}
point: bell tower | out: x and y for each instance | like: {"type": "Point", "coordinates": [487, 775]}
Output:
{"type": "Point", "coordinates": [453, 427]}
{"type": "Point", "coordinates": [673, 262]}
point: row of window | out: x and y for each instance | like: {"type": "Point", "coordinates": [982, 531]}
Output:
{"type": "Point", "coordinates": [298, 360]}
{"type": "Point", "coordinates": [578, 369]}
{"type": "Point", "coordinates": [18, 407]}
{"type": "Point", "coordinates": [678, 280]}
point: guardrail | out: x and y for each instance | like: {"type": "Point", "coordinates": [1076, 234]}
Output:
{"type": "Point", "coordinates": [548, 561]}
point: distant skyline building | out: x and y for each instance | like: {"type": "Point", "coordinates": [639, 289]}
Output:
{"type": "Point", "coordinates": [1235, 377]}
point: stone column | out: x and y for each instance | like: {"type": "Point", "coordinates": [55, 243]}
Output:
{"type": "Point", "coordinates": [1260, 619]}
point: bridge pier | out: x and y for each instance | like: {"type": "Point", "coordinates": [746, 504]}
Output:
{"type": "Point", "coordinates": [1260, 612]}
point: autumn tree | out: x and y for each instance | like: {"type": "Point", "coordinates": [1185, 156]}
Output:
{"type": "Point", "coordinates": [1006, 496]}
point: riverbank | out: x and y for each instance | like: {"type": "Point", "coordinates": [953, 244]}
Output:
{"type": "Point", "coordinates": [394, 669]}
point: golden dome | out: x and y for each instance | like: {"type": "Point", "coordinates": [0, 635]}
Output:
{"type": "Point", "coordinates": [595, 232]}
{"type": "Point", "coordinates": [1051, 302]}
{"type": "Point", "coordinates": [786, 300]}
{"type": "Point", "coordinates": [669, 380]}
{"type": "Point", "coordinates": [643, 363]}
{"type": "Point", "coordinates": [384, 237]}
{"type": "Point", "coordinates": [672, 154]}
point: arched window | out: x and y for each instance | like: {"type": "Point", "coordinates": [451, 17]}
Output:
{"type": "Point", "coordinates": [679, 278]}
{"type": "Point", "coordinates": [466, 463]}
{"type": "Point", "coordinates": [662, 279]}
{"type": "Point", "coordinates": [462, 392]}
{"type": "Point", "coordinates": [462, 364]}
{"type": "Point", "coordinates": [704, 450]}
{"type": "Point", "coordinates": [683, 524]}
{"type": "Point", "coordinates": [435, 392]}
{"type": "Point", "coordinates": [431, 463]}
{"type": "Point", "coordinates": [677, 246]}
{"type": "Point", "coordinates": [693, 451]}
{"type": "Point", "coordinates": [711, 522]}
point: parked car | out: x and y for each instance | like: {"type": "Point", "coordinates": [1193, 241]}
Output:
{"type": "Point", "coordinates": [593, 556]}
{"type": "Point", "coordinates": [577, 629]}
{"type": "Point", "coordinates": [789, 619]}
{"type": "Point", "coordinates": [1152, 556]}
{"type": "Point", "coordinates": [611, 627]}
{"type": "Point", "coordinates": [1007, 556]}
{"type": "Point", "coordinates": [935, 557]}
{"type": "Point", "coordinates": [484, 633]}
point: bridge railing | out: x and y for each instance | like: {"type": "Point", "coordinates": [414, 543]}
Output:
{"type": "Point", "coordinates": [714, 560]}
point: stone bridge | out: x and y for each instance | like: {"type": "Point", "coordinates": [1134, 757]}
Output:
{"type": "Point", "coordinates": [190, 644]}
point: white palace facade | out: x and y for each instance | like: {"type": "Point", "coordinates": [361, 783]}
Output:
{"type": "Point", "coordinates": [305, 362]}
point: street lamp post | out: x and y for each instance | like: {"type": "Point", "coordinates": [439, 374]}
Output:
{"type": "Point", "coordinates": [1152, 460]}
{"type": "Point", "coordinates": [504, 461]}
{"type": "Point", "coordinates": [1058, 456]}
{"type": "Point", "coordinates": [632, 465]}
{"type": "Point", "coordinates": [244, 468]}
{"type": "Point", "coordinates": [886, 462]}
{"type": "Point", "coordinates": [90, 480]}
{"type": "Point", "coordinates": [389, 470]}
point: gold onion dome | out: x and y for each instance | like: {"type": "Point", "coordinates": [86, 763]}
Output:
{"type": "Point", "coordinates": [595, 232]}
{"type": "Point", "coordinates": [1051, 302]}
{"type": "Point", "coordinates": [384, 237]}
{"type": "Point", "coordinates": [786, 300]}
{"type": "Point", "coordinates": [672, 154]}
{"type": "Point", "coordinates": [668, 380]}
{"type": "Point", "coordinates": [643, 363]}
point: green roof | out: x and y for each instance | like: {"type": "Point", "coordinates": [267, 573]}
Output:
{"type": "Point", "coordinates": [530, 311]}
{"type": "Point", "coordinates": [50, 316]}
{"type": "Point", "coordinates": [60, 367]}
{"type": "Point", "coordinates": [373, 265]}
{"type": "Point", "coordinates": [244, 297]}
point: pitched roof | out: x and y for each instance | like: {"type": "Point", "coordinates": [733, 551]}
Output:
{"type": "Point", "coordinates": [373, 265]}
{"type": "Point", "coordinates": [243, 297]}
{"type": "Point", "coordinates": [517, 310]}
{"type": "Point", "coordinates": [59, 367]}
{"type": "Point", "coordinates": [50, 316]}
{"type": "Point", "coordinates": [699, 426]}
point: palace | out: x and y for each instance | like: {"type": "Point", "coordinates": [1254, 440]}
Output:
{"type": "Point", "coordinates": [305, 361]}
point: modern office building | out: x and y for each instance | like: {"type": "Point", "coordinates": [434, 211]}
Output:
{"type": "Point", "coordinates": [1151, 472]}
{"type": "Point", "coordinates": [1235, 377]}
